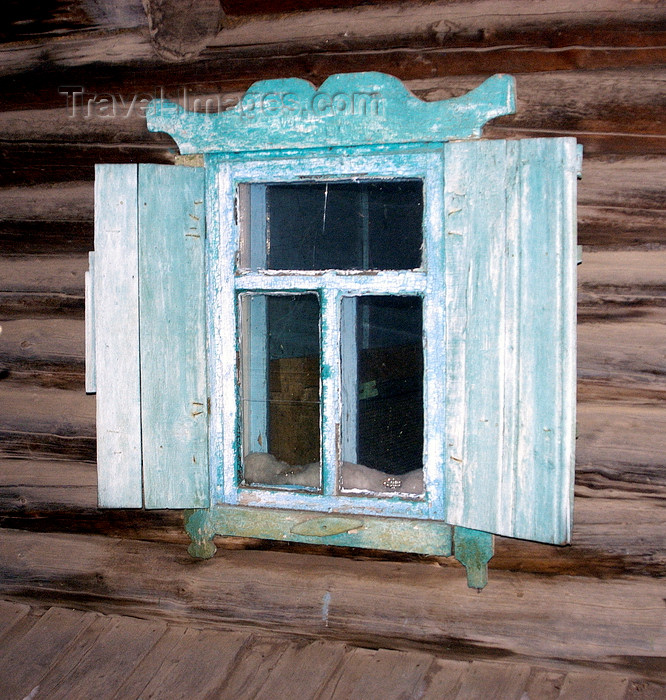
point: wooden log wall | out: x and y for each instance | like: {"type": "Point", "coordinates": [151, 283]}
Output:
{"type": "Point", "coordinates": [595, 72]}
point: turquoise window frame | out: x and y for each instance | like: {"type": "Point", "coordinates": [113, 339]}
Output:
{"type": "Point", "coordinates": [226, 281]}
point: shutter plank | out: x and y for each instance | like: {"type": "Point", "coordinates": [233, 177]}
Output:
{"type": "Point", "coordinates": [510, 256]}
{"type": "Point", "coordinates": [475, 282]}
{"type": "Point", "coordinates": [116, 290]}
{"type": "Point", "coordinates": [546, 329]}
{"type": "Point", "coordinates": [172, 333]}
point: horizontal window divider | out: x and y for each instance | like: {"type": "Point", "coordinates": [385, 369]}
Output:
{"type": "Point", "coordinates": [347, 282]}
{"type": "Point", "coordinates": [352, 504]}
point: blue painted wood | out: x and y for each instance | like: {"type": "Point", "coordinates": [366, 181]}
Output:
{"type": "Point", "coordinates": [349, 380]}
{"type": "Point", "coordinates": [511, 295]}
{"type": "Point", "coordinates": [498, 283]}
{"type": "Point", "coordinates": [370, 532]}
{"type": "Point", "coordinates": [91, 376]}
{"type": "Point", "coordinates": [174, 413]}
{"type": "Point", "coordinates": [224, 282]}
{"type": "Point", "coordinates": [473, 549]}
{"type": "Point", "coordinates": [347, 110]}
{"type": "Point", "coordinates": [116, 290]}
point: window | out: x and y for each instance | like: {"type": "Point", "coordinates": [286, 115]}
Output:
{"type": "Point", "coordinates": [326, 297]}
{"type": "Point", "coordinates": [352, 326]}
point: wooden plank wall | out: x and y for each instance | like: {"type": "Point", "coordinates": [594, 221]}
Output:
{"type": "Point", "coordinates": [597, 74]}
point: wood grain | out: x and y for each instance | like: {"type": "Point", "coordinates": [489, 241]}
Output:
{"type": "Point", "coordinates": [98, 663]}
{"type": "Point", "coordinates": [48, 638]}
{"type": "Point", "coordinates": [171, 335]}
{"type": "Point", "coordinates": [43, 495]}
{"type": "Point", "coordinates": [394, 604]}
{"type": "Point", "coordinates": [593, 73]}
{"type": "Point", "coordinates": [122, 657]}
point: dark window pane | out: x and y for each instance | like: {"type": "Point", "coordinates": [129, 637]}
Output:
{"type": "Point", "coordinates": [280, 389]}
{"type": "Point", "coordinates": [373, 225]}
{"type": "Point", "coordinates": [382, 368]}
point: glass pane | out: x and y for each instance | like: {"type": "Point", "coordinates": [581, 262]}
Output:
{"type": "Point", "coordinates": [369, 225]}
{"type": "Point", "coordinates": [382, 393]}
{"type": "Point", "coordinates": [280, 393]}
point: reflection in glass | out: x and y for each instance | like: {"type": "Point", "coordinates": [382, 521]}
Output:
{"type": "Point", "coordinates": [280, 372]}
{"type": "Point", "coordinates": [382, 393]}
{"type": "Point", "coordinates": [361, 225]}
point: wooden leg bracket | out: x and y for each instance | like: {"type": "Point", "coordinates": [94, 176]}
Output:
{"type": "Point", "coordinates": [473, 549]}
{"type": "Point", "coordinates": [201, 531]}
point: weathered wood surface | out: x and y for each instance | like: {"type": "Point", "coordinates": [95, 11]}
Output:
{"type": "Point", "coordinates": [395, 604]}
{"type": "Point", "coordinates": [61, 496]}
{"type": "Point", "coordinates": [174, 413]}
{"type": "Point", "coordinates": [46, 219]}
{"type": "Point", "coordinates": [600, 119]}
{"type": "Point", "coordinates": [620, 204]}
{"type": "Point", "coordinates": [470, 25]}
{"type": "Point", "coordinates": [113, 656]}
{"type": "Point", "coordinates": [593, 73]}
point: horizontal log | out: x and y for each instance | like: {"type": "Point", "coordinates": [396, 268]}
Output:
{"type": "Point", "coordinates": [618, 226]}
{"type": "Point", "coordinates": [47, 218]}
{"type": "Point", "coordinates": [36, 304]}
{"type": "Point", "coordinates": [621, 321]}
{"type": "Point", "coordinates": [60, 125]}
{"type": "Point", "coordinates": [42, 237]}
{"type": "Point", "coordinates": [47, 352]}
{"type": "Point", "coordinates": [61, 274]}
{"type": "Point", "coordinates": [616, 103]}
{"type": "Point", "coordinates": [67, 413]}
{"type": "Point", "coordinates": [621, 272]}
{"type": "Point", "coordinates": [621, 203]}
{"type": "Point", "coordinates": [65, 202]}
{"type": "Point", "coordinates": [479, 21]}
{"type": "Point", "coordinates": [606, 178]}
{"type": "Point", "coordinates": [481, 24]}
{"type": "Point", "coordinates": [30, 164]}
{"type": "Point", "coordinates": [51, 474]}
{"type": "Point", "coordinates": [39, 444]}
{"type": "Point", "coordinates": [38, 286]}
{"type": "Point", "coordinates": [621, 446]}
{"type": "Point", "coordinates": [613, 535]}
{"type": "Point", "coordinates": [573, 101]}
{"type": "Point", "coordinates": [547, 104]}
{"type": "Point", "coordinates": [394, 604]}
{"type": "Point", "coordinates": [594, 143]}
{"type": "Point", "coordinates": [61, 496]}
{"type": "Point", "coordinates": [625, 355]}
{"type": "Point", "coordinates": [44, 420]}
{"type": "Point", "coordinates": [618, 348]}
{"type": "Point", "coordinates": [32, 20]}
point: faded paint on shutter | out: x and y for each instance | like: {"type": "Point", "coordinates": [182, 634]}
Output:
{"type": "Point", "coordinates": [172, 335]}
{"type": "Point", "coordinates": [115, 286]}
{"type": "Point", "coordinates": [510, 249]}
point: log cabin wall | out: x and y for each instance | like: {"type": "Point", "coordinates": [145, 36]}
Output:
{"type": "Point", "coordinates": [596, 72]}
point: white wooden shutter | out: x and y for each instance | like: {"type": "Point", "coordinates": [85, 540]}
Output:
{"type": "Point", "coordinates": [115, 286]}
{"type": "Point", "coordinates": [149, 336]}
{"type": "Point", "coordinates": [510, 249]}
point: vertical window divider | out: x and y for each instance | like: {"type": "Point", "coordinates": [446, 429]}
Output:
{"type": "Point", "coordinates": [331, 316]}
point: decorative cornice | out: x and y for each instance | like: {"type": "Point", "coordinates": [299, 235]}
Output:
{"type": "Point", "coordinates": [353, 109]}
